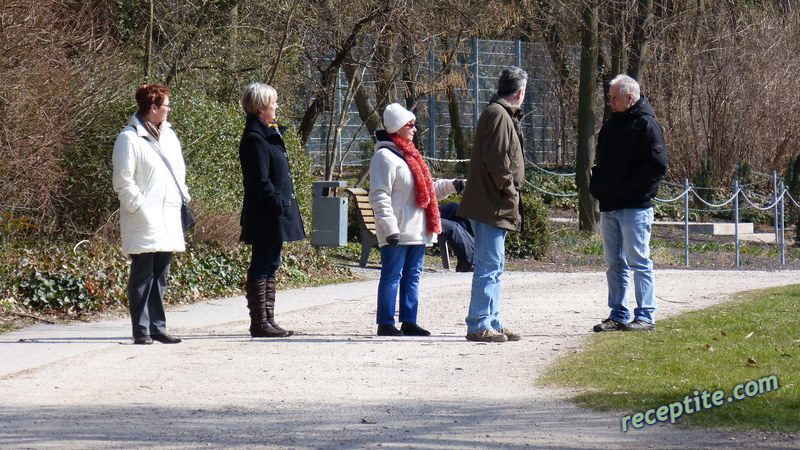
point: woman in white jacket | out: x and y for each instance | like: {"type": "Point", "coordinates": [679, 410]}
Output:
{"type": "Point", "coordinates": [150, 208]}
{"type": "Point", "coordinates": [404, 198]}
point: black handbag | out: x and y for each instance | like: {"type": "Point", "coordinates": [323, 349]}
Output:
{"type": "Point", "coordinates": [187, 216]}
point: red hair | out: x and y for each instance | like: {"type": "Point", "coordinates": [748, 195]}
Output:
{"type": "Point", "coordinates": [150, 94]}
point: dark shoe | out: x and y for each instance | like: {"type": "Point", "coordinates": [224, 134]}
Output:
{"type": "Point", "coordinates": [142, 340]}
{"type": "Point", "coordinates": [510, 334]}
{"type": "Point", "coordinates": [487, 335]}
{"type": "Point", "coordinates": [267, 330]}
{"type": "Point", "coordinates": [412, 329]}
{"type": "Point", "coordinates": [165, 339]}
{"type": "Point", "coordinates": [463, 266]}
{"type": "Point", "coordinates": [640, 325]}
{"type": "Point", "coordinates": [388, 330]}
{"type": "Point", "coordinates": [278, 327]}
{"type": "Point", "coordinates": [609, 325]}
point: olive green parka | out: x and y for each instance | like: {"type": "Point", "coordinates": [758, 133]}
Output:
{"type": "Point", "coordinates": [496, 169]}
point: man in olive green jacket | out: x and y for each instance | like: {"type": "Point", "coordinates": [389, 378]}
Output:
{"type": "Point", "coordinates": [491, 202]}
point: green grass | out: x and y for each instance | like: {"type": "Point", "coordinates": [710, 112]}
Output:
{"type": "Point", "coordinates": [752, 337]}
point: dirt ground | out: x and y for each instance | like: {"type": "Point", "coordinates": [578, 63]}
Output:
{"type": "Point", "coordinates": [337, 385]}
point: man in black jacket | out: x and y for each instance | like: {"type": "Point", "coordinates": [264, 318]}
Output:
{"type": "Point", "coordinates": [631, 162]}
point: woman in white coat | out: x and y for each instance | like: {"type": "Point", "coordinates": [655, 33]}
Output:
{"type": "Point", "coordinates": [403, 197]}
{"type": "Point", "coordinates": [149, 179]}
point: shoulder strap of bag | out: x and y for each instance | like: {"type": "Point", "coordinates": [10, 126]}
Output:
{"type": "Point", "coordinates": [395, 151]}
{"type": "Point", "coordinates": [166, 163]}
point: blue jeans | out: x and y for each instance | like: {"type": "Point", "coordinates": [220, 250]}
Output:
{"type": "Point", "coordinates": [490, 258]}
{"type": "Point", "coordinates": [626, 239]}
{"type": "Point", "coordinates": [400, 270]}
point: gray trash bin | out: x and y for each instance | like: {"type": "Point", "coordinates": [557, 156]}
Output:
{"type": "Point", "coordinates": [329, 214]}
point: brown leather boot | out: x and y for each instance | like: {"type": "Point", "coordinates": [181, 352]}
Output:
{"type": "Point", "coordinates": [270, 295]}
{"type": "Point", "coordinates": [257, 303]}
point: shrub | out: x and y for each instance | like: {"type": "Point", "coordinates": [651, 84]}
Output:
{"type": "Point", "coordinates": [792, 176]}
{"type": "Point", "coordinates": [555, 183]}
{"type": "Point", "coordinates": [535, 239]}
{"type": "Point", "coordinates": [73, 279]}
{"type": "Point", "coordinates": [209, 132]}
{"type": "Point", "coordinates": [89, 199]}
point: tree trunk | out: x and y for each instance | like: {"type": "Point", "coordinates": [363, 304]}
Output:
{"type": "Point", "coordinates": [383, 72]}
{"type": "Point", "coordinates": [618, 47]}
{"type": "Point", "coordinates": [587, 206]}
{"type": "Point", "coordinates": [233, 54]}
{"type": "Point", "coordinates": [366, 112]}
{"type": "Point", "coordinates": [282, 47]}
{"type": "Point", "coordinates": [641, 38]}
{"type": "Point", "coordinates": [453, 107]}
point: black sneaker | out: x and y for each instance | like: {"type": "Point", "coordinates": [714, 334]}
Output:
{"type": "Point", "coordinates": [412, 329]}
{"type": "Point", "coordinates": [640, 325]}
{"type": "Point", "coordinates": [388, 330]}
{"type": "Point", "coordinates": [609, 325]}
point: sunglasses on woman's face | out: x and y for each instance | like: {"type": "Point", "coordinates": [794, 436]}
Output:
{"type": "Point", "coordinates": [410, 125]}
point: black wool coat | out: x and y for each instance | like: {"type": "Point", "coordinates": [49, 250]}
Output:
{"type": "Point", "coordinates": [631, 159]}
{"type": "Point", "coordinates": [270, 212]}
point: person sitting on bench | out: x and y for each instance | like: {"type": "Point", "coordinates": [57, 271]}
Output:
{"type": "Point", "coordinates": [458, 233]}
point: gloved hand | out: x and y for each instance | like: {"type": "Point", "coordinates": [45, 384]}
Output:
{"type": "Point", "coordinates": [393, 240]}
{"type": "Point", "coordinates": [459, 184]}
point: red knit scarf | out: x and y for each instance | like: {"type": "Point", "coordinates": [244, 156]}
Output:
{"type": "Point", "coordinates": [423, 183]}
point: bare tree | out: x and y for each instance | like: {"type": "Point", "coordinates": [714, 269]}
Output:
{"type": "Point", "coordinates": [344, 39]}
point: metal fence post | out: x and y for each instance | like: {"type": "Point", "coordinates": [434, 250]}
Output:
{"type": "Point", "coordinates": [477, 91]}
{"type": "Point", "coordinates": [775, 200]}
{"type": "Point", "coordinates": [686, 221]}
{"type": "Point", "coordinates": [783, 224]}
{"type": "Point", "coordinates": [736, 217]}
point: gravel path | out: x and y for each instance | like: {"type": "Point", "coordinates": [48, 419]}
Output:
{"type": "Point", "coordinates": [337, 385]}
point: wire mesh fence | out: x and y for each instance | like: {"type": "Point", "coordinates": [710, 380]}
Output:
{"type": "Point", "coordinates": [548, 137]}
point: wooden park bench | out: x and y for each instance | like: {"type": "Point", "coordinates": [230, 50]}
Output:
{"type": "Point", "coordinates": [366, 225]}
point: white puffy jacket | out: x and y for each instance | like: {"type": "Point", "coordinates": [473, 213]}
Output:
{"type": "Point", "coordinates": [392, 197]}
{"type": "Point", "coordinates": [150, 203]}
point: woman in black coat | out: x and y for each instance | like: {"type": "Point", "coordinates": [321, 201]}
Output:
{"type": "Point", "coordinates": [270, 213]}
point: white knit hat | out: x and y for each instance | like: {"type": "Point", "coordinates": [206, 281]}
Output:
{"type": "Point", "coordinates": [395, 116]}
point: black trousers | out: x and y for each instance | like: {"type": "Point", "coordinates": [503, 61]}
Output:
{"type": "Point", "coordinates": [265, 260]}
{"type": "Point", "coordinates": [146, 286]}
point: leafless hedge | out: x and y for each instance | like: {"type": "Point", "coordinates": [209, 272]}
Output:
{"type": "Point", "coordinates": [56, 70]}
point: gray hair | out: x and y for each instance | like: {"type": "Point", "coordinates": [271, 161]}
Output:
{"type": "Point", "coordinates": [512, 79]}
{"type": "Point", "coordinates": [627, 85]}
{"type": "Point", "coordinates": [257, 97]}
